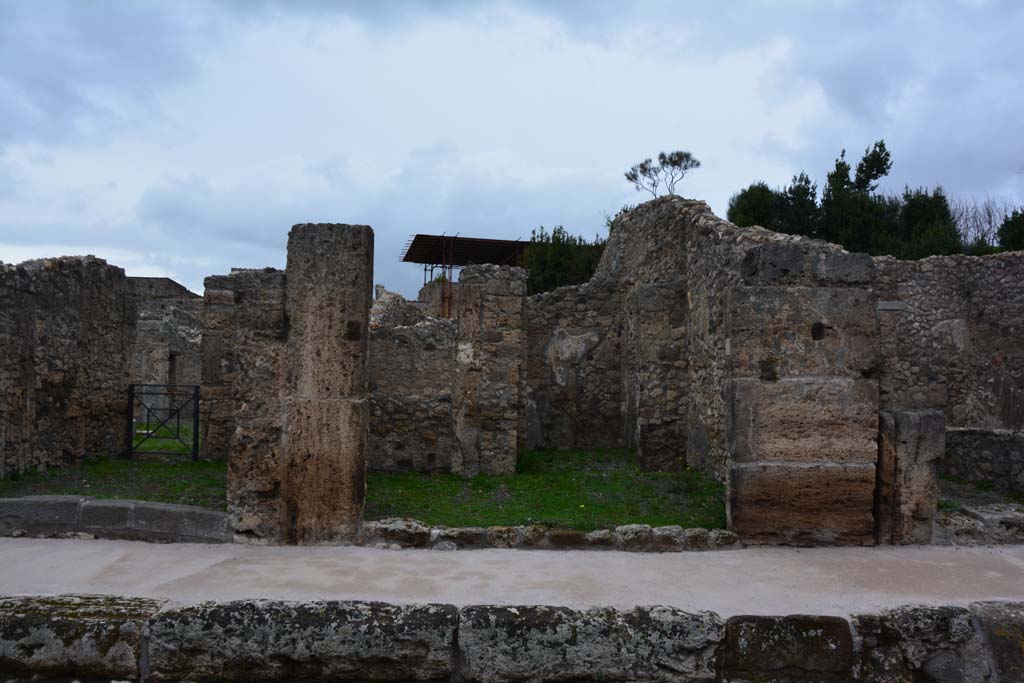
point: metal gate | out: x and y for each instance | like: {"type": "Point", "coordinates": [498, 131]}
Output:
{"type": "Point", "coordinates": [163, 419]}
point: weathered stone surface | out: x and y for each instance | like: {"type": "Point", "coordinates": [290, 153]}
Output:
{"type": "Point", "coordinates": [74, 636]}
{"type": "Point", "coordinates": [780, 332]}
{"type": "Point", "coordinates": [804, 420]}
{"type": "Point", "coordinates": [463, 537]}
{"type": "Point", "coordinates": [566, 538]}
{"type": "Point", "coordinates": [669, 538]}
{"type": "Point", "coordinates": [559, 644]}
{"type": "Point", "coordinates": [324, 641]}
{"type": "Point", "coordinates": [1002, 625]}
{"type": "Point", "coordinates": [921, 644]}
{"type": "Point", "coordinates": [40, 514]}
{"type": "Point", "coordinates": [286, 359]}
{"type": "Point", "coordinates": [802, 504]}
{"type": "Point", "coordinates": [990, 457]}
{"type": "Point", "coordinates": [406, 533]}
{"type": "Point", "coordinates": [181, 523]}
{"type": "Point", "coordinates": [634, 536]}
{"type": "Point", "coordinates": [66, 331]}
{"type": "Point", "coordinates": [956, 346]}
{"type": "Point", "coordinates": [793, 648]}
{"type": "Point", "coordinates": [723, 538]}
{"type": "Point", "coordinates": [910, 443]}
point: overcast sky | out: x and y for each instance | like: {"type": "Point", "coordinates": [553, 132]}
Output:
{"type": "Point", "coordinates": [182, 138]}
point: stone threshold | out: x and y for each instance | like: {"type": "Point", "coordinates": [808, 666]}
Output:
{"type": "Point", "coordinates": [101, 638]}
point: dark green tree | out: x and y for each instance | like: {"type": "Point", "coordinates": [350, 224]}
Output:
{"type": "Point", "coordinates": [555, 259]}
{"type": "Point", "coordinates": [799, 213]}
{"type": "Point", "coordinates": [1011, 232]}
{"type": "Point", "coordinates": [926, 225]}
{"type": "Point", "coordinates": [757, 204]}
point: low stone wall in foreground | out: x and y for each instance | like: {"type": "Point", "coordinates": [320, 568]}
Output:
{"type": "Point", "coordinates": [98, 637]}
{"type": "Point", "coordinates": [989, 457]}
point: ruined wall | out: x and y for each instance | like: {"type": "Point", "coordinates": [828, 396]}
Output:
{"type": "Point", "coordinates": [953, 337]}
{"type": "Point", "coordinates": [66, 328]}
{"type": "Point", "coordinates": [988, 457]}
{"type": "Point", "coordinates": [446, 395]}
{"type": "Point", "coordinates": [166, 349]}
{"type": "Point", "coordinates": [412, 374]}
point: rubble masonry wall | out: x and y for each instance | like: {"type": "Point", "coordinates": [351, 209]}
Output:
{"type": "Point", "coordinates": [66, 330]}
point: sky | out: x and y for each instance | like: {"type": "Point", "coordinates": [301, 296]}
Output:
{"type": "Point", "coordinates": [184, 138]}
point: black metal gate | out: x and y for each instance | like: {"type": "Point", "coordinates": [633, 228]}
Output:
{"type": "Point", "coordinates": [163, 419]}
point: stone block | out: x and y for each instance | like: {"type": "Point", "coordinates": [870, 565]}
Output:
{"type": "Point", "coordinates": [1002, 624]}
{"type": "Point", "coordinates": [634, 536]}
{"type": "Point", "coordinates": [329, 293]}
{"type": "Point", "coordinates": [779, 332]}
{"type": "Point", "coordinates": [910, 443]}
{"type": "Point", "coordinates": [90, 637]}
{"type": "Point", "coordinates": [323, 485]}
{"type": "Point", "coordinates": [921, 644]}
{"type": "Point", "coordinates": [802, 504]}
{"type": "Point", "coordinates": [801, 262]}
{"type": "Point", "coordinates": [181, 523]}
{"type": "Point", "coordinates": [794, 648]}
{"type": "Point", "coordinates": [499, 644]}
{"type": "Point", "coordinates": [567, 538]}
{"type": "Point", "coordinates": [804, 420]}
{"type": "Point", "coordinates": [278, 641]}
{"type": "Point", "coordinates": [108, 515]}
{"type": "Point", "coordinates": [41, 514]}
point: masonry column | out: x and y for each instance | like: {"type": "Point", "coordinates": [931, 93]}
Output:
{"type": "Point", "coordinates": [328, 295]}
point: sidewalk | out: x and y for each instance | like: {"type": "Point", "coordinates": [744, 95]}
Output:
{"type": "Point", "coordinates": [775, 581]}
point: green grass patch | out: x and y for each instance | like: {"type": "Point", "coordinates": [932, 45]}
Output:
{"type": "Point", "coordinates": [163, 438]}
{"type": "Point", "coordinates": [573, 489]}
{"type": "Point", "coordinates": [154, 478]}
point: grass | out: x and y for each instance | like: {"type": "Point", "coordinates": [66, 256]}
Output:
{"type": "Point", "coordinates": [571, 489]}
{"type": "Point", "coordinates": [156, 478]}
{"type": "Point", "coordinates": [162, 439]}
{"type": "Point", "coordinates": [582, 490]}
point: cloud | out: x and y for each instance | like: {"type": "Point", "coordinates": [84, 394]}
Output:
{"type": "Point", "coordinates": [197, 133]}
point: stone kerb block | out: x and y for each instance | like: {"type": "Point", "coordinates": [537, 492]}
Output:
{"type": "Point", "coordinates": [910, 444]}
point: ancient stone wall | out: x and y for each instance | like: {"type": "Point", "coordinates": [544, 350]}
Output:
{"type": "Point", "coordinates": [167, 334]}
{"type": "Point", "coordinates": [412, 375]}
{"type": "Point", "coordinates": [66, 330]}
{"type": "Point", "coordinates": [446, 395]}
{"type": "Point", "coordinates": [953, 337]}
{"type": "Point", "coordinates": [989, 457]}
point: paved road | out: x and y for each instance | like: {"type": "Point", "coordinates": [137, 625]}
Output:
{"type": "Point", "coordinates": [838, 581]}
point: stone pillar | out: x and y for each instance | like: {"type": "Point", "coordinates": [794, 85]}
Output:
{"type": "Point", "coordinates": [329, 282]}
{"type": "Point", "coordinates": [490, 306]}
{"type": "Point", "coordinates": [910, 444]}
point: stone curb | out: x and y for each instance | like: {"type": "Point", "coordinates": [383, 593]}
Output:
{"type": "Point", "coordinates": [120, 519]}
{"type": "Point", "coordinates": [398, 533]}
{"type": "Point", "coordinates": [97, 637]}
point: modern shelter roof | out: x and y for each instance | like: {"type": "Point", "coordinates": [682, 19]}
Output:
{"type": "Point", "coordinates": [461, 251]}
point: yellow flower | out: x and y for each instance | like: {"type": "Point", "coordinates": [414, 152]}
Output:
{"type": "Point", "coordinates": [582, 506]}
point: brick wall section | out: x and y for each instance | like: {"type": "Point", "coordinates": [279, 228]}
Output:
{"type": "Point", "coordinates": [953, 337]}
{"type": "Point", "coordinates": [66, 330]}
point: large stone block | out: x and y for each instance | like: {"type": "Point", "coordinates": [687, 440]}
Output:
{"type": "Point", "coordinates": [41, 514]}
{"type": "Point", "coordinates": [802, 504]}
{"type": "Point", "coordinates": [781, 332]}
{"type": "Point", "coordinates": [316, 641]}
{"type": "Point", "coordinates": [910, 443]}
{"type": "Point", "coordinates": [804, 420]}
{"type": "Point", "coordinates": [1002, 624]}
{"type": "Point", "coordinates": [62, 637]}
{"type": "Point", "coordinates": [329, 292]}
{"type": "Point", "coordinates": [793, 648]}
{"type": "Point", "coordinates": [499, 644]}
{"type": "Point", "coordinates": [803, 262]}
{"type": "Point", "coordinates": [323, 484]}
